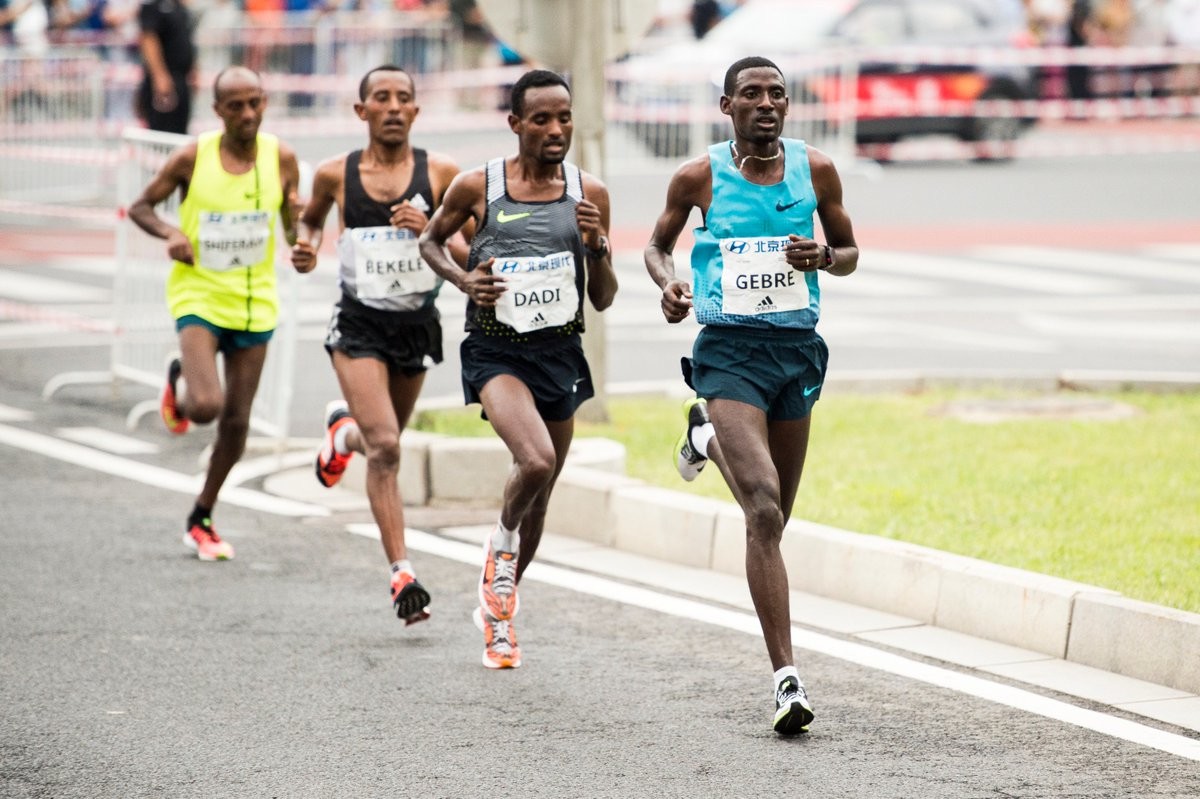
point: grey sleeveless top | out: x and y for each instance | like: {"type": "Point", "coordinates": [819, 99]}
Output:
{"type": "Point", "coordinates": [528, 240]}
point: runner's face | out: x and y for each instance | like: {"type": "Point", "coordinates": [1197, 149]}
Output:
{"type": "Point", "coordinates": [390, 107]}
{"type": "Point", "coordinates": [544, 130]}
{"type": "Point", "coordinates": [241, 108]}
{"type": "Point", "coordinates": [758, 105]}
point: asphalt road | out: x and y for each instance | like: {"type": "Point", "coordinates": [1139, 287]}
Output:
{"type": "Point", "coordinates": [131, 670]}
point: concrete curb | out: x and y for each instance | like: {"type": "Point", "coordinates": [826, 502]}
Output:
{"type": "Point", "coordinates": [595, 501]}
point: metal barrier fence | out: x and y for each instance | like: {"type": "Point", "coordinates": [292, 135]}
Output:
{"type": "Point", "coordinates": [143, 334]}
{"type": "Point", "coordinates": [56, 160]}
{"type": "Point", "coordinates": [62, 115]}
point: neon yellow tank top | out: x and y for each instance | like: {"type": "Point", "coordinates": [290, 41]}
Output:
{"type": "Point", "coordinates": [231, 221]}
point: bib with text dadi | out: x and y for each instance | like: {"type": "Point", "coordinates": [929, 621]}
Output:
{"type": "Point", "coordinates": [756, 278]}
{"type": "Point", "coordinates": [540, 291]}
{"type": "Point", "coordinates": [387, 263]}
{"type": "Point", "coordinates": [232, 239]}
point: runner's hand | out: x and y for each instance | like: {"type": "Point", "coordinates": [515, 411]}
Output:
{"type": "Point", "coordinates": [407, 216]}
{"type": "Point", "coordinates": [482, 286]}
{"type": "Point", "coordinates": [304, 257]}
{"type": "Point", "coordinates": [180, 248]}
{"type": "Point", "coordinates": [588, 216]}
{"type": "Point", "coordinates": [804, 254]}
{"type": "Point", "coordinates": [676, 301]}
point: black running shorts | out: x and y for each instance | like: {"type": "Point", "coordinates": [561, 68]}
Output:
{"type": "Point", "coordinates": [555, 371]}
{"type": "Point", "coordinates": [406, 341]}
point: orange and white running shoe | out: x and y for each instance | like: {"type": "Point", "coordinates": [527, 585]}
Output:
{"type": "Point", "coordinates": [498, 582]}
{"type": "Point", "coordinates": [409, 598]}
{"type": "Point", "coordinates": [204, 541]}
{"type": "Point", "coordinates": [500, 650]}
{"type": "Point", "coordinates": [168, 403]}
{"type": "Point", "coordinates": [330, 463]}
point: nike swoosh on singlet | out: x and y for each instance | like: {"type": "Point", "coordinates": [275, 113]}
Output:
{"type": "Point", "coordinates": [502, 217]}
{"type": "Point", "coordinates": [781, 207]}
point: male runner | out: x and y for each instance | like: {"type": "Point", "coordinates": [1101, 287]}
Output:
{"type": "Point", "coordinates": [385, 328]}
{"type": "Point", "coordinates": [758, 364]}
{"type": "Point", "coordinates": [238, 184]}
{"type": "Point", "coordinates": [540, 244]}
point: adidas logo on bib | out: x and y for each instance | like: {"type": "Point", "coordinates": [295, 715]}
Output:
{"type": "Point", "coordinates": [765, 304]}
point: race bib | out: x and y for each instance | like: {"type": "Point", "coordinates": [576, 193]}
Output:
{"type": "Point", "coordinates": [232, 240]}
{"type": "Point", "coordinates": [541, 291]}
{"type": "Point", "coordinates": [756, 278]}
{"type": "Point", "coordinates": [387, 263]}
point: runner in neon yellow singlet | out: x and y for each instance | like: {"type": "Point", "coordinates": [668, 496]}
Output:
{"type": "Point", "coordinates": [238, 186]}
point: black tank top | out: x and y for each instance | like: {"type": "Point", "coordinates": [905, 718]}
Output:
{"type": "Point", "coordinates": [360, 210]}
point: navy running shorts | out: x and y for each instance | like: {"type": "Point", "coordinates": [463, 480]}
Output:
{"type": "Point", "coordinates": [228, 339]}
{"type": "Point", "coordinates": [408, 342]}
{"type": "Point", "coordinates": [780, 371]}
{"type": "Point", "coordinates": [555, 371]}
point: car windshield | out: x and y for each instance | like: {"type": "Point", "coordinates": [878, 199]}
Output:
{"type": "Point", "coordinates": [774, 27]}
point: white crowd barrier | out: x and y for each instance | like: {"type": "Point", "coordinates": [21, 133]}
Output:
{"type": "Point", "coordinates": [143, 332]}
{"type": "Point", "coordinates": [55, 159]}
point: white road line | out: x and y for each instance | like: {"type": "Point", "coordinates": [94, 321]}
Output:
{"type": "Point", "coordinates": [149, 475]}
{"type": "Point", "coordinates": [1028, 279]}
{"type": "Point", "coordinates": [36, 288]}
{"type": "Point", "coordinates": [98, 438]}
{"type": "Point", "coordinates": [1149, 332]}
{"type": "Point", "coordinates": [849, 651]}
{"type": "Point", "coordinates": [1093, 262]}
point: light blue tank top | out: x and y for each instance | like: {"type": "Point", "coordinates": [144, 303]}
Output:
{"type": "Point", "coordinates": [742, 211]}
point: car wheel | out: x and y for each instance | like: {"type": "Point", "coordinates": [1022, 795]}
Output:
{"type": "Point", "coordinates": [996, 132]}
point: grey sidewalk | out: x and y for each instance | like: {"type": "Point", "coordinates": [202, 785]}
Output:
{"type": "Point", "coordinates": [1068, 637]}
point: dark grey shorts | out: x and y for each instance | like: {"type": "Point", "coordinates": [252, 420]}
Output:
{"type": "Point", "coordinates": [778, 371]}
{"type": "Point", "coordinates": [556, 372]}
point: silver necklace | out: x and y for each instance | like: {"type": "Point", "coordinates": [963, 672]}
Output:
{"type": "Point", "coordinates": [745, 158]}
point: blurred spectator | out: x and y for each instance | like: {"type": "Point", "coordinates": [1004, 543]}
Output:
{"type": "Point", "coordinates": [475, 41]}
{"type": "Point", "coordinates": [26, 22]}
{"type": "Point", "coordinates": [705, 14]}
{"type": "Point", "coordinates": [168, 58]}
{"type": "Point", "coordinates": [1047, 21]}
{"type": "Point", "coordinates": [1113, 23]}
{"type": "Point", "coordinates": [1183, 22]}
{"type": "Point", "coordinates": [1079, 32]}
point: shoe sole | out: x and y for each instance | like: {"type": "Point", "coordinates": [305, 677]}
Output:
{"type": "Point", "coordinates": [411, 602]}
{"type": "Point", "coordinates": [687, 470]}
{"type": "Point", "coordinates": [793, 719]}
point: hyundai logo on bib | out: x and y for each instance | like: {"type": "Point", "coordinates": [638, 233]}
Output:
{"type": "Point", "coordinates": [509, 266]}
{"type": "Point", "coordinates": [382, 234]}
{"type": "Point", "coordinates": [738, 247]}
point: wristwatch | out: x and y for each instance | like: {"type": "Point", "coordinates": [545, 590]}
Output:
{"type": "Point", "coordinates": [600, 253]}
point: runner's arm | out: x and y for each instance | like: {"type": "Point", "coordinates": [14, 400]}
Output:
{"type": "Point", "coordinates": [593, 215]}
{"type": "Point", "coordinates": [835, 221]}
{"type": "Point", "coordinates": [310, 228]}
{"type": "Point", "coordinates": [289, 174]}
{"type": "Point", "coordinates": [690, 187]}
{"type": "Point", "coordinates": [462, 203]}
{"type": "Point", "coordinates": [175, 174]}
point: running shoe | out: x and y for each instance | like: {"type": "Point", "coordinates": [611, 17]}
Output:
{"type": "Point", "coordinates": [331, 465]}
{"type": "Point", "coordinates": [168, 405]}
{"type": "Point", "coordinates": [498, 582]}
{"type": "Point", "coordinates": [409, 598]}
{"type": "Point", "coordinates": [793, 713]}
{"type": "Point", "coordinates": [204, 541]}
{"type": "Point", "coordinates": [500, 650]}
{"type": "Point", "coordinates": [689, 462]}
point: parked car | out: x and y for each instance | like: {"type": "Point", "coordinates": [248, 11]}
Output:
{"type": "Point", "coordinates": [914, 73]}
